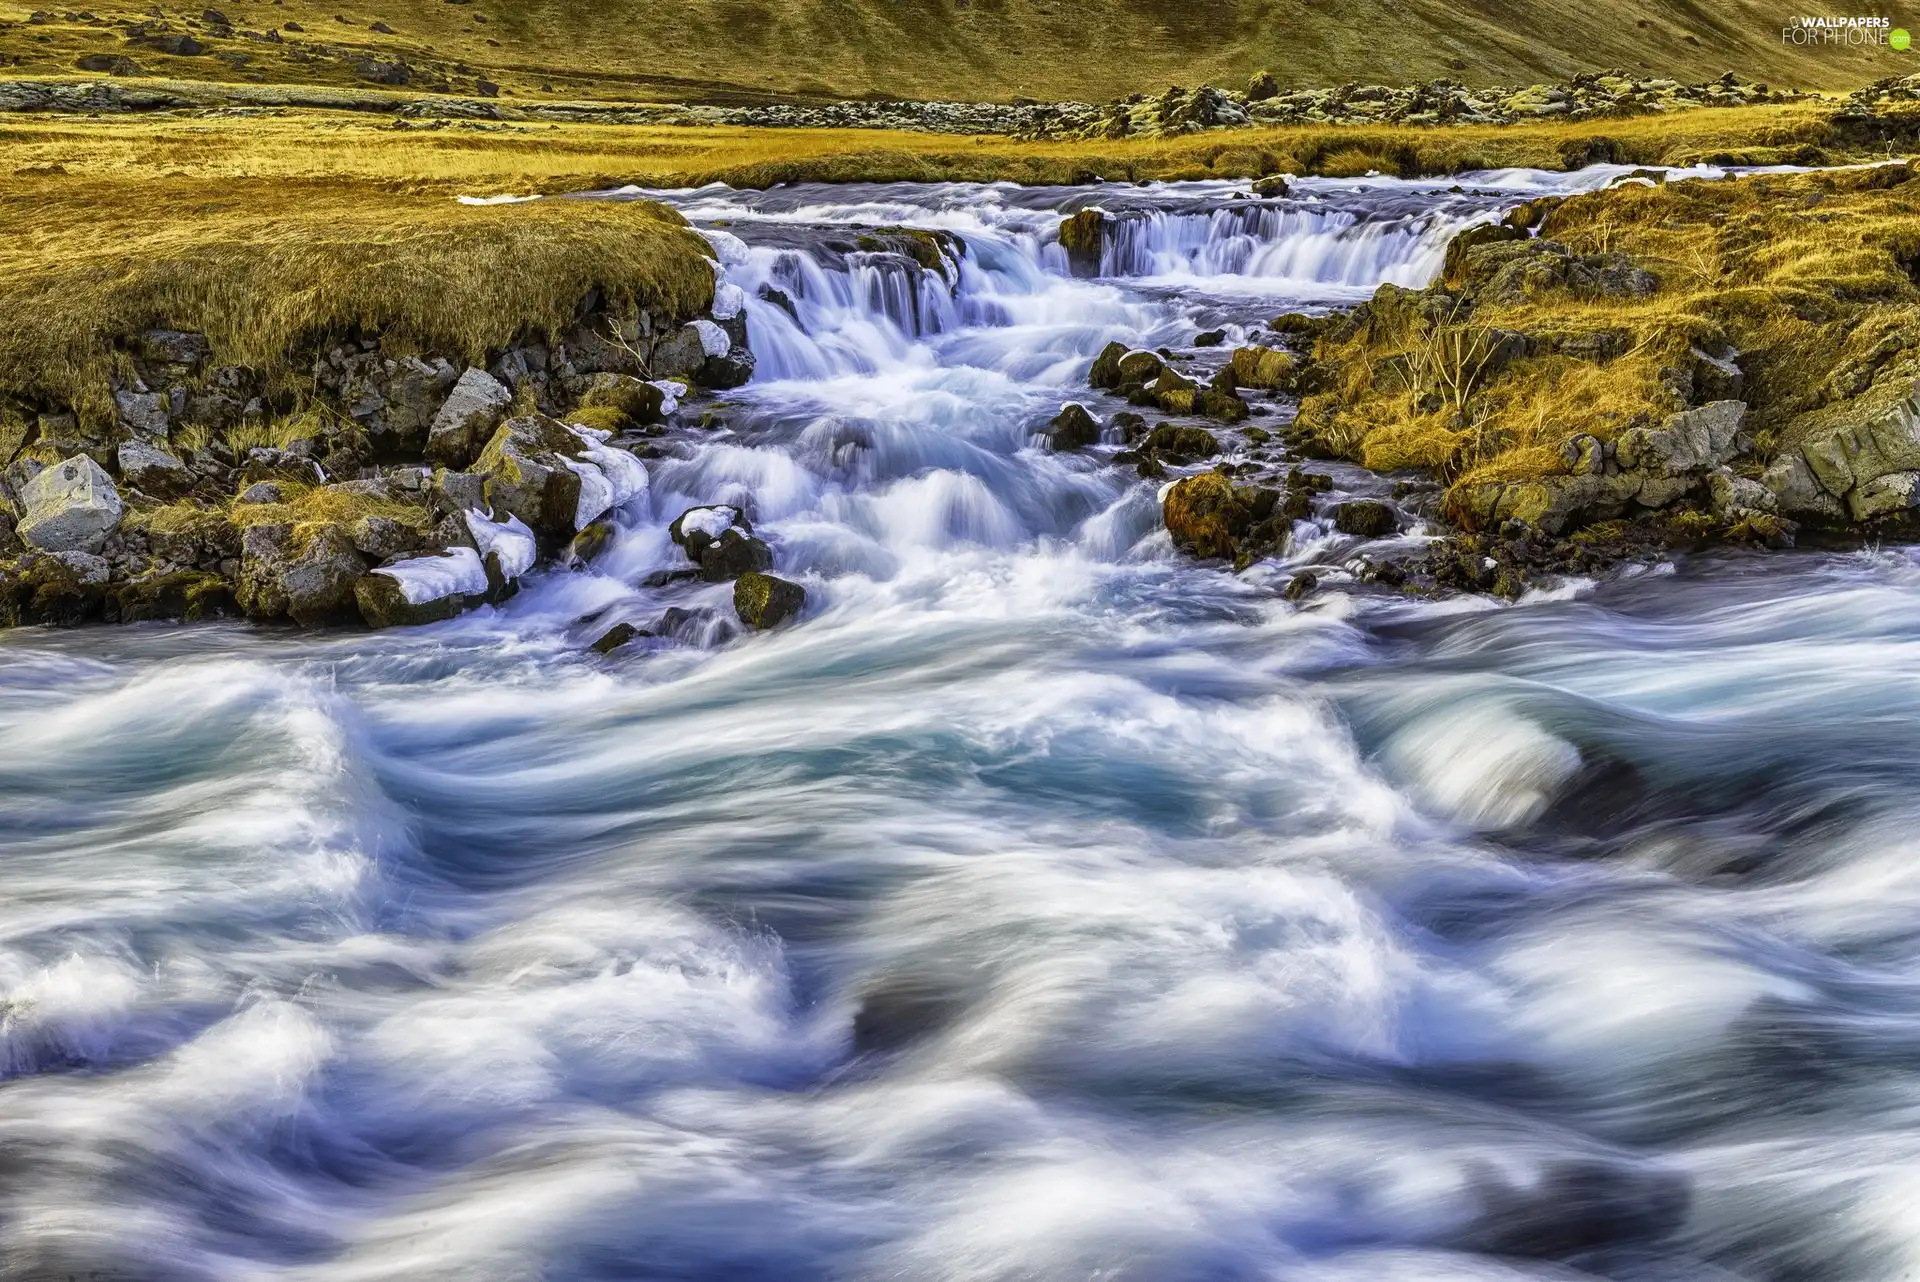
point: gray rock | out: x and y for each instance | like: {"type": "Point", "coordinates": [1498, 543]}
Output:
{"type": "Point", "coordinates": [86, 568]}
{"type": "Point", "coordinates": [150, 468]}
{"type": "Point", "coordinates": [261, 492]}
{"type": "Point", "coordinates": [467, 418]}
{"type": "Point", "coordinates": [1884, 495]}
{"type": "Point", "coordinates": [381, 537]}
{"type": "Point", "coordinates": [1732, 494]}
{"type": "Point", "coordinates": [681, 355]}
{"type": "Point", "coordinates": [175, 347]}
{"type": "Point", "coordinates": [458, 491]}
{"type": "Point", "coordinates": [308, 578]}
{"type": "Point", "coordinates": [525, 470]}
{"type": "Point", "coordinates": [143, 412]}
{"type": "Point", "coordinates": [71, 506]}
{"type": "Point", "coordinates": [1797, 492]}
{"type": "Point", "coordinates": [1688, 442]}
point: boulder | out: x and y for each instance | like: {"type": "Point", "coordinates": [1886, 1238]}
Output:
{"type": "Point", "coordinates": [1139, 367]}
{"type": "Point", "coordinates": [465, 420]}
{"type": "Point", "coordinates": [71, 506]}
{"type": "Point", "coordinates": [637, 402]}
{"type": "Point", "coordinates": [1072, 428]}
{"type": "Point", "coordinates": [306, 573]}
{"type": "Point", "coordinates": [143, 413]}
{"type": "Point", "coordinates": [1367, 518]}
{"type": "Point", "coordinates": [150, 468]}
{"type": "Point", "coordinates": [382, 538]}
{"type": "Point", "coordinates": [732, 555]}
{"type": "Point", "coordinates": [64, 589]}
{"type": "Point", "coordinates": [1106, 366]}
{"type": "Point", "coordinates": [1268, 368]}
{"type": "Point", "coordinates": [527, 468]}
{"type": "Point", "coordinates": [1271, 188]}
{"type": "Point", "coordinates": [1083, 235]}
{"type": "Point", "coordinates": [696, 528]}
{"type": "Point", "coordinates": [1182, 440]}
{"type": "Point", "coordinates": [763, 601]}
{"type": "Point", "coordinates": [1205, 516]}
{"type": "Point", "coordinates": [175, 347]}
{"type": "Point", "coordinates": [616, 636]}
{"type": "Point", "coordinates": [188, 595]}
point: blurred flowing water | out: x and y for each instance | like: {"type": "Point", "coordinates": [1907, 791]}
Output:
{"type": "Point", "coordinates": [1042, 906]}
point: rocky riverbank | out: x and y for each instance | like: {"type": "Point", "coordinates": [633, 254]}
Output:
{"type": "Point", "coordinates": [1611, 376]}
{"type": "Point", "coordinates": [396, 488]}
{"type": "Point", "coordinates": [1176, 111]}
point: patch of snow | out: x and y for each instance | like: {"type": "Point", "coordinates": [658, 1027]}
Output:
{"type": "Point", "coordinates": [510, 540]}
{"type": "Point", "coordinates": [433, 578]}
{"type": "Point", "coordinates": [713, 339]}
{"type": "Point", "coordinates": [672, 391]}
{"type": "Point", "coordinates": [496, 200]}
{"type": "Point", "coordinates": [729, 300]}
{"type": "Point", "coordinates": [596, 493]}
{"type": "Point", "coordinates": [728, 248]}
{"type": "Point", "coordinates": [710, 521]}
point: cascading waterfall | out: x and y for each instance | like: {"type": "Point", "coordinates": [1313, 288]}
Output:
{"type": "Point", "coordinates": [1041, 906]}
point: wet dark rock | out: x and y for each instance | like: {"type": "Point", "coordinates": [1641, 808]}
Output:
{"type": "Point", "coordinates": [306, 574]}
{"type": "Point", "coordinates": [763, 602]}
{"type": "Point", "coordinates": [732, 555]}
{"type": "Point", "coordinates": [1210, 338]}
{"type": "Point", "coordinates": [616, 636]}
{"type": "Point", "coordinates": [1182, 440]}
{"type": "Point", "coordinates": [1083, 235]}
{"type": "Point", "coordinates": [1073, 428]}
{"type": "Point", "coordinates": [1367, 518]}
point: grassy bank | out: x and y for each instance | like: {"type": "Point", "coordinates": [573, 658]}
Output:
{"type": "Point", "coordinates": [1793, 293]}
{"type": "Point", "coordinates": [524, 157]}
{"type": "Point", "coordinates": [738, 50]}
{"type": "Point", "coordinates": [261, 265]}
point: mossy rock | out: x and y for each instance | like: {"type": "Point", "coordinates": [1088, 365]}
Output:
{"type": "Point", "coordinates": [763, 602]}
{"type": "Point", "coordinates": [1183, 439]}
{"type": "Point", "coordinates": [1083, 235]}
{"type": "Point", "coordinates": [1267, 368]}
{"type": "Point", "coordinates": [187, 595]}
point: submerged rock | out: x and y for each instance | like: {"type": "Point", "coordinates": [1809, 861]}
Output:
{"type": "Point", "coordinates": [1083, 235]}
{"type": "Point", "coordinates": [1367, 518]}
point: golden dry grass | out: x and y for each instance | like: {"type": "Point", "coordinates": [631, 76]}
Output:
{"type": "Point", "coordinates": [491, 158]}
{"type": "Point", "coordinates": [261, 266]}
{"type": "Point", "coordinates": [1811, 277]}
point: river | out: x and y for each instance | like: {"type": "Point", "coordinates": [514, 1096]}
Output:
{"type": "Point", "coordinates": [1041, 906]}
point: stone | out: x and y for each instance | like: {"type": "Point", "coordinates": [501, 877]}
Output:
{"type": "Point", "coordinates": [1072, 428]}
{"type": "Point", "coordinates": [1205, 516]}
{"type": "Point", "coordinates": [1182, 440]}
{"type": "Point", "coordinates": [1366, 518]}
{"type": "Point", "coordinates": [382, 537]}
{"type": "Point", "coordinates": [696, 528]}
{"type": "Point", "coordinates": [616, 636]}
{"type": "Point", "coordinates": [457, 491]}
{"type": "Point", "coordinates": [1688, 442]}
{"type": "Point", "coordinates": [465, 420]}
{"type": "Point", "coordinates": [1268, 368]}
{"type": "Point", "coordinates": [1271, 188]}
{"type": "Point", "coordinates": [143, 413]}
{"type": "Point", "coordinates": [426, 589]}
{"type": "Point", "coordinates": [187, 595]}
{"type": "Point", "coordinates": [1797, 492]}
{"type": "Point", "coordinates": [1884, 495]}
{"type": "Point", "coordinates": [308, 575]}
{"type": "Point", "coordinates": [1210, 338]}
{"type": "Point", "coordinates": [1082, 236]}
{"type": "Point", "coordinates": [64, 589]}
{"type": "Point", "coordinates": [175, 347]}
{"type": "Point", "coordinates": [732, 555]}
{"type": "Point", "coordinates": [1730, 494]}
{"type": "Point", "coordinates": [763, 602]}
{"type": "Point", "coordinates": [1140, 367]}
{"type": "Point", "coordinates": [261, 492]}
{"type": "Point", "coordinates": [152, 469]}
{"type": "Point", "coordinates": [527, 474]}
{"type": "Point", "coordinates": [638, 403]}
{"type": "Point", "coordinates": [589, 543]}
{"type": "Point", "coordinates": [71, 506]}
{"type": "Point", "coordinates": [1106, 366]}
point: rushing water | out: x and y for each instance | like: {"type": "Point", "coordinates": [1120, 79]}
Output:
{"type": "Point", "coordinates": [1041, 907]}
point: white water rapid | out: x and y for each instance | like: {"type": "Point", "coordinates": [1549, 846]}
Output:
{"type": "Point", "coordinates": [1040, 906]}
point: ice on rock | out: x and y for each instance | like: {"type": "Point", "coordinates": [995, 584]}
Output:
{"type": "Point", "coordinates": [510, 540]}
{"type": "Point", "coordinates": [434, 578]}
{"type": "Point", "coordinates": [713, 339]}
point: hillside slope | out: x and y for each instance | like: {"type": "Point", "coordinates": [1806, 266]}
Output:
{"type": "Point", "coordinates": [720, 50]}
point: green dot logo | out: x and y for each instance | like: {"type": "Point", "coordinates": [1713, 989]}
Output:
{"type": "Point", "coordinates": [1899, 38]}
